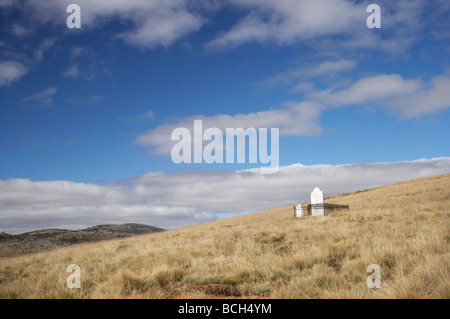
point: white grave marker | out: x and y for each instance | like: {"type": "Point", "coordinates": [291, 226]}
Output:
{"type": "Point", "coordinates": [299, 210]}
{"type": "Point", "coordinates": [317, 207]}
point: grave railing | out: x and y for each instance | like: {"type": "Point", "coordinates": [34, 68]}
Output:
{"type": "Point", "coordinates": [307, 210]}
{"type": "Point", "coordinates": [326, 207]}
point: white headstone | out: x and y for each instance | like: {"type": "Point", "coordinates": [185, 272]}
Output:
{"type": "Point", "coordinates": [317, 207]}
{"type": "Point", "coordinates": [299, 210]}
{"type": "Point", "coordinates": [317, 196]}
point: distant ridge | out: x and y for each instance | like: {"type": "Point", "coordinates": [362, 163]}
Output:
{"type": "Point", "coordinates": [46, 239]}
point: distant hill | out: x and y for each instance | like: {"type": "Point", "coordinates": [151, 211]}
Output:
{"type": "Point", "coordinates": [45, 239]}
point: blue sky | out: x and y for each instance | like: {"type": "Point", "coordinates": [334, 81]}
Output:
{"type": "Point", "coordinates": [94, 107]}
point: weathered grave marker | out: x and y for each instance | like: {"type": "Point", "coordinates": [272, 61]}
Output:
{"type": "Point", "coordinates": [317, 207]}
{"type": "Point", "coordinates": [299, 211]}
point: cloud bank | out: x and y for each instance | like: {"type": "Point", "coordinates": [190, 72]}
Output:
{"type": "Point", "coordinates": [154, 23]}
{"type": "Point", "coordinates": [172, 200]}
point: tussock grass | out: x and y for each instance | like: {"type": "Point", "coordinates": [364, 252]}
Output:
{"type": "Point", "coordinates": [404, 228]}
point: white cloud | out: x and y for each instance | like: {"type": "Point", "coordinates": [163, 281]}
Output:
{"type": "Point", "coordinates": [11, 71]}
{"type": "Point", "coordinates": [430, 98]}
{"type": "Point", "coordinates": [175, 199]}
{"type": "Point", "coordinates": [293, 119]}
{"type": "Point", "coordinates": [371, 88]}
{"type": "Point", "coordinates": [45, 45]}
{"type": "Point", "coordinates": [409, 98]}
{"type": "Point", "coordinates": [326, 68]}
{"type": "Point", "coordinates": [78, 51]}
{"type": "Point", "coordinates": [72, 72]}
{"type": "Point", "coordinates": [287, 21]}
{"type": "Point", "coordinates": [324, 25]}
{"type": "Point", "coordinates": [152, 23]}
{"type": "Point", "coordinates": [163, 29]}
{"type": "Point", "coordinates": [44, 98]}
{"type": "Point", "coordinates": [20, 31]}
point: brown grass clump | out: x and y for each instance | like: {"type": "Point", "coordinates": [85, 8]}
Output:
{"type": "Point", "coordinates": [404, 228]}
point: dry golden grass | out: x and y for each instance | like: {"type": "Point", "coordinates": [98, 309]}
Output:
{"type": "Point", "coordinates": [404, 228]}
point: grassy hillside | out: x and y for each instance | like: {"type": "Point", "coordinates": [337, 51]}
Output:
{"type": "Point", "coordinates": [404, 228]}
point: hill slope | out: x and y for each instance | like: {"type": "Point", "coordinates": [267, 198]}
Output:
{"type": "Point", "coordinates": [404, 228]}
{"type": "Point", "coordinates": [46, 239]}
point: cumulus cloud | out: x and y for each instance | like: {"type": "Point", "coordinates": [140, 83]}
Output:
{"type": "Point", "coordinates": [152, 23]}
{"type": "Point", "coordinates": [298, 119]}
{"type": "Point", "coordinates": [11, 71]}
{"type": "Point", "coordinates": [15, 63]}
{"type": "Point", "coordinates": [407, 97]}
{"type": "Point", "coordinates": [155, 23]}
{"type": "Point", "coordinates": [172, 200]}
{"type": "Point", "coordinates": [164, 28]}
{"type": "Point", "coordinates": [327, 23]}
{"type": "Point", "coordinates": [323, 24]}
{"type": "Point", "coordinates": [430, 98]}
{"type": "Point", "coordinates": [376, 87]}
{"type": "Point", "coordinates": [286, 21]}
